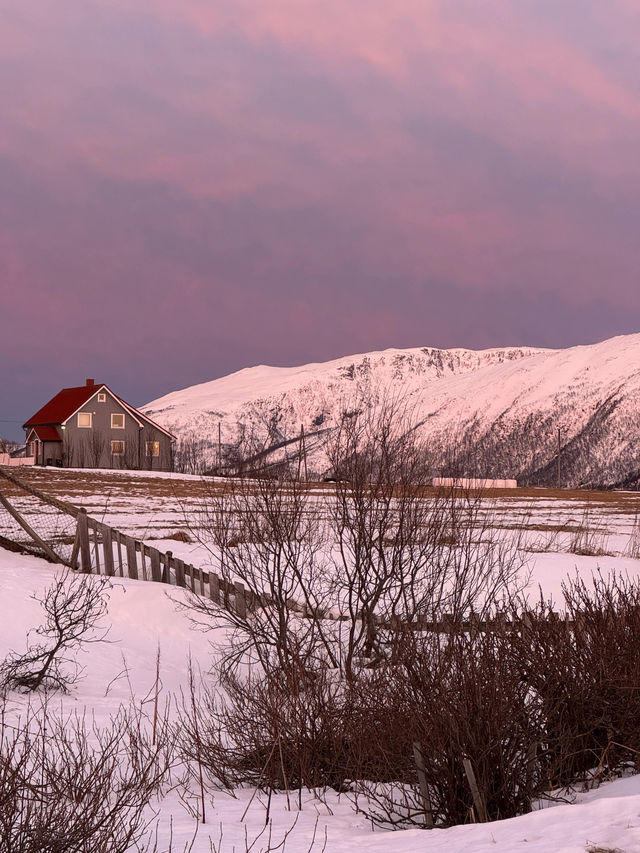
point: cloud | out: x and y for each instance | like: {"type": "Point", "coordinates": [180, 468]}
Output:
{"type": "Point", "coordinates": [253, 181]}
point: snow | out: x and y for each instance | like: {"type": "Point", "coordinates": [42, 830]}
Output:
{"type": "Point", "coordinates": [143, 617]}
{"type": "Point", "coordinates": [495, 390]}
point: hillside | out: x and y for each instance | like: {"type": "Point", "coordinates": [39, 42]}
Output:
{"type": "Point", "coordinates": [492, 413]}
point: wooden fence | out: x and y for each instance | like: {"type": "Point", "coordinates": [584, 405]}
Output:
{"type": "Point", "coordinates": [100, 549]}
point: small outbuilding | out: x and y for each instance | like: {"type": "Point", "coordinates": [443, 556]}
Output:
{"type": "Point", "coordinates": [91, 427]}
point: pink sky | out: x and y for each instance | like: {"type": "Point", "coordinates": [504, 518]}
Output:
{"type": "Point", "coordinates": [191, 187]}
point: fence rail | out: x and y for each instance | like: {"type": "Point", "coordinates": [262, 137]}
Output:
{"type": "Point", "coordinates": [63, 533]}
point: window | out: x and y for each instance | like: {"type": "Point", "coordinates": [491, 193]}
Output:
{"type": "Point", "coordinates": [117, 448]}
{"type": "Point", "coordinates": [102, 398]}
{"type": "Point", "coordinates": [85, 419]}
{"type": "Point", "coordinates": [153, 448]}
{"type": "Point", "coordinates": [117, 421]}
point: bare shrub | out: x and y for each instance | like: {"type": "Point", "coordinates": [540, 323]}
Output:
{"type": "Point", "coordinates": [192, 454]}
{"type": "Point", "coordinates": [73, 606]}
{"type": "Point", "coordinates": [280, 731]}
{"type": "Point", "coordinates": [586, 674]}
{"type": "Point", "coordinates": [267, 535]}
{"type": "Point", "coordinates": [459, 696]}
{"type": "Point", "coordinates": [404, 553]}
{"type": "Point", "coordinates": [335, 668]}
{"type": "Point", "coordinates": [633, 546]}
{"type": "Point", "coordinates": [69, 788]}
{"type": "Point", "coordinates": [588, 540]}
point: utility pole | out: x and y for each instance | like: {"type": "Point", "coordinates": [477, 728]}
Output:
{"type": "Point", "coordinates": [559, 451]}
{"type": "Point", "coordinates": [219, 447]}
{"type": "Point", "coordinates": [302, 457]}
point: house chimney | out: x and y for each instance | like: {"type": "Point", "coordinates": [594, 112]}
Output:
{"type": "Point", "coordinates": [90, 382]}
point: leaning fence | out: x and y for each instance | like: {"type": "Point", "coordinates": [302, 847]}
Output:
{"type": "Point", "coordinates": [36, 523]}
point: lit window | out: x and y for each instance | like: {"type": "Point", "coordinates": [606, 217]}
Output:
{"type": "Point", "coordinates": [117, 448]}
{"type": "Point", "coordinates": [117, 421]}
{"type": "Point", "coordinates": [85, 419]}
{"type": "Point", "coordinates": [102, 398]}
{"type": "Point", "coordinates": [153, 448]}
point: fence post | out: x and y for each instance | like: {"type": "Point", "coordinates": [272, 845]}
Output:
{"type": "Point", "coordinates": [481, 810]}
{"type": "Point", "coordinates": [120, 560]}
{"type": "Point", "coordinates": [82, 532]}
{"type": "Point", "coordinates": [107, 550]}
{"type": "Point", "coordinates": [132, 562]}
{"type": "Point", "coordinates": [424, 788]}
{"type": "Point", "coordinates": [96, 548]}
{"type": "Point", "coordinates": [241, 602]}
{"type": "Point", "coordinates": [156, 575]}
{"type": "Point", "coordinates": [166, 572]}
{"type": "Point", "coordinates": [214, 587]}
{"type": "Point", "coordinates": [179, 564]}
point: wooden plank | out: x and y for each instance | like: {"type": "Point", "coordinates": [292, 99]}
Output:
{"type": "Point", "coordinates": [191, 572]}
{"type": "Point", "coordinates": [478, 802]}
{"type": "Point", "coordinates": [132, 560]}
{"type": "Point", "coordinates": [241, 602]}
{"type": "Point", "coordinates": [179, 567]}
{"type": "Point", "coordinates": [75, 551]}
{"type": "Point", "coordinates": [422, 783]}
{"type": "Point", "coordinates": [201, 580]}
{"type": "Point", "coordinates": [166, 570]}
{"type": "Point", "coordinates": [214, 587]}
{"type": "Point", "coordinates": [154, 556]}
{"type": "Point", "coordinates": [82, 532]}
{"type": "Point", "coordinates": [143, 565]}
{"type": "Point", "coordinates": [118, 537]}
{"type": "Point", "coordinates": [107, 550]}
{"type": "Point", "coordinates": [96, 547]}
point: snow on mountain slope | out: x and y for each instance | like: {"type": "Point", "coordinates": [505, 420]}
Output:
{"type": "Point", "coordinates": [494, 412]}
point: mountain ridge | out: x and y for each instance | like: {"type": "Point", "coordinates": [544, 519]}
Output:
{"type": "Point", "coordinates": [499, 409]}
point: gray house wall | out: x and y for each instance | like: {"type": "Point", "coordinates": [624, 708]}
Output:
{"type": "Point", "coordinates": [90, 447]}
{"type": "Point", "coordinates": [51, 452]}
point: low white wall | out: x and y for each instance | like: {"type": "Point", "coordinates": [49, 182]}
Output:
{"type": "Point", "coordinates": [471, 483]}
{"type": "Point", "coordinates": [5, 459]}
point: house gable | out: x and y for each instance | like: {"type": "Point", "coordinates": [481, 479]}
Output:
{"type": "Point", "coordinates": [104, 389]}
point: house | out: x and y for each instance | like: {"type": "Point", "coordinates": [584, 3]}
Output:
{"type": "Point", "coordinates": [91, 427]}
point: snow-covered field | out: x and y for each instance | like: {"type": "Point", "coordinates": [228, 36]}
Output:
{"type": "Point", "coordinates": [144, 617]}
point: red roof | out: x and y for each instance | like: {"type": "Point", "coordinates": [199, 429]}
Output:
{"type": "Point", "coordinates": [47, 433]}
{"type": "Point", "coordinates": [63, 405]}
{"type": "Point", "coordinates": [69, 400]}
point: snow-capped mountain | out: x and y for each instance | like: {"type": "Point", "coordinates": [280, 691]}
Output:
{"type": "Point", "coordinates": [497, 412]}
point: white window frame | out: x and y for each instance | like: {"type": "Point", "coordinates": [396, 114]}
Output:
{"type": "Point", "coordinates": [85, 426]}
{"type": "Point", "coordinates": [102, 398]}
{"type": "Point", "coordinates": [118, 452]}
{"type": "Point", "coordinates": [117, 415]}
{"type": "Point", "coordinates": [153, 446]}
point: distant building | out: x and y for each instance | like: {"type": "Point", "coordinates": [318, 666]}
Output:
{"type": "Point", "coordinates": [91, 427]}
{"type": "Point", "coordinates": [473, 483]}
